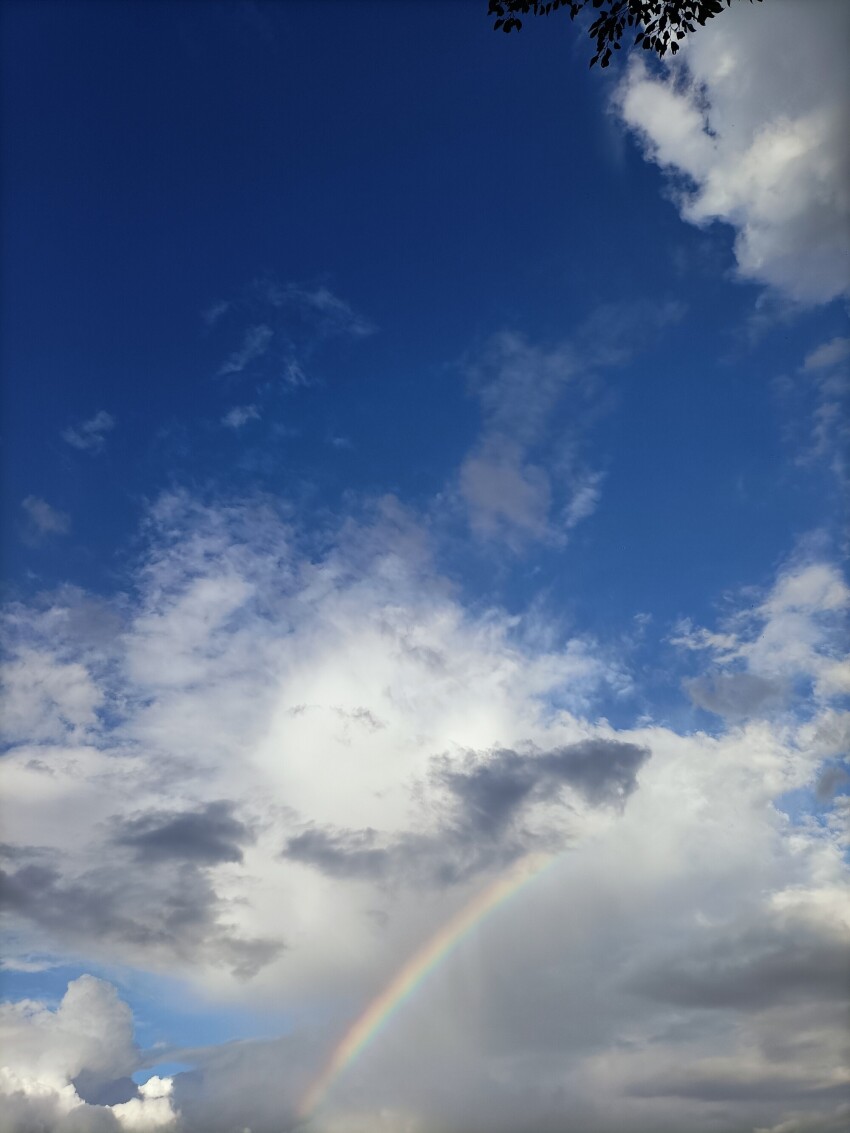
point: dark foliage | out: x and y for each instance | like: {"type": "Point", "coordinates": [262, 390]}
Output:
{"type": "Point", "coordinates": [658, 25]}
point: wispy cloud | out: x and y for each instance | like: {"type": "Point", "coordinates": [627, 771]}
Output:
{"type": "Point", "coordinates": [90, 435]}
{"type": "Point", "coordinates": [330, 313]}
{"type": "Point", "coordinates": [255, 343]}
{"type": "Point", "coordinates": [240, 415]}
{"type": "Point", "coordinates": [525, 477]}
{"type": "Point", "coordinates": [215, 311]}
{"type": "Point", "coordinates": [43, 520]}
{"type": "Point", "coordinates": [288, 325]}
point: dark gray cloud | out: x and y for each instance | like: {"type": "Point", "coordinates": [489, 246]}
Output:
{"type": "Point", "coordinates": [490, 789]}
{"type": "Point", "coordinates": [481, 828]}
{"type": "Point", "coordinates": [207, 836]}
{"type": "Point", "coordinates": [252, 1084]}
{"type": "Point", "coordinates": [172, 910]}
{"type": "Point", "coordinates": [831, 779]}
{"type": "Point", "coordinates": [94, 1091]}
{"type": "Point", "coordinates": [756, 967]}
{"type": "Point", "coordinates": [736, 695]}
{"type": "Point", "coordinates": [748, 1085]}
{"type": "Point", "coordinates": [345, 854]}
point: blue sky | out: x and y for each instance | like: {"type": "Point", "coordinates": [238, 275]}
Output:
{"type": "Point", "coordinates": [392, 407]}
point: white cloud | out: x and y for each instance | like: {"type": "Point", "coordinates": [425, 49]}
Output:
{"type": "Point", "coordinates": [795, 633]}
{"type": "Point", "coordinates": [151, 1111]}
{"type": "Point", "coordinates": [261, 688]}
{"type": "Point", "coordinates": [752, 118]}
{"type": "Point", "coordinates": [57, 1064]}
{"type": "Point", "coordinates": [45, 698]}
{"type": "Point", "coordinates": [43, 519]}
{"type": "Point", "coordinates": [240, 415]}
{"type": "Point", "coordinates": [831, 353]}
{"type": "Point", "coordinates": [90, 436]}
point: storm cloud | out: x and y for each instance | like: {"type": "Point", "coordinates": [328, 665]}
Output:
{"type": "Point", "coordinates": [478, 827]}
{"type": "Point", "coordinates": [207, 836]}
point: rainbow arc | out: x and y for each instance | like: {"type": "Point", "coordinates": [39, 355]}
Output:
{"type": "Point", "coordinates": [414, 972]}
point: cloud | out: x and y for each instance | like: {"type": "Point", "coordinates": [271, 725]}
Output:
{"type": "Point", "coordinates": [755, 101]}
{"type": "Point", "coordinates": [215, 311]}
{"type": "Point", "coordinates": [829, 354]}
{"type": "Point", "coordinates": [794, 634]}
{"type": "Point", "coordinates": [43, 520]}
{"type": "Point", "coordinates": [240, 415]}
{"type": "Point", "coordinates": [822, 405]}
{"type": "Point", "coordinates": [524, 478]}
{"type": "Point", "coordinates": [169, 915]}
{"type": "Point", "coordinates": [62, 1067]}
{"type": "Point", "coordinates": [90, 436]}
{"type": "Point", "coordinates": [45, 698]}
{"type": "Point", "coordinates": [504, 493]}
{"type": "Point", "coordinates": [736, 695]}
{"type": "Point", "coordinates": [208, 835]}
{"type": "Point", "coordinates": [331, 314]}
{"type": "Point", "coordinates": [490, 790]}
{"type": "Point", "coordinates": [508, 482]}
{"type": "Point", "coordinates": [759, 962]}
{"type": "Point", "coordinates": [255, 343]}
{"type": "Point", "coordinates": [830, 781]}
{"type": "Point", "coordinates": [288, 323]}
{"type": "Point", "coordinates": [282, 760]}
{"type": "Point", "coordinates": [488, 817]}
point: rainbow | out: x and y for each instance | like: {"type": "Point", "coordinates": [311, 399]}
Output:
{"type": "Point", "coordinates": [415, 971]}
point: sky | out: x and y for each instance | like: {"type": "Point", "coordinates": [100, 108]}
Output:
{"type": "Point", "coordinates": [424, 510]}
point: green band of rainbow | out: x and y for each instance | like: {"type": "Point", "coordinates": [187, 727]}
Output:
{"type": "Point", "coordinates": [415, 971]}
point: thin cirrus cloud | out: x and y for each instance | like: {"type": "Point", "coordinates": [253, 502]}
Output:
{"type": "Point", "coordinates": [287, 322]}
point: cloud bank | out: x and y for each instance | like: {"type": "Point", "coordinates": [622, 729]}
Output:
{"type": "Point", "coordinates": [281, 760]}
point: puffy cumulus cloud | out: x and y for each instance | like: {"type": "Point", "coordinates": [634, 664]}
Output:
{"type": "Point", "coordinates": [751, 120]}
{"type": "Point", "coordinates": [68, 1068]}
{"type": "Point", "coordinates": [258, 689]}
{"type": "Point", "coordinates": [310, 754]}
